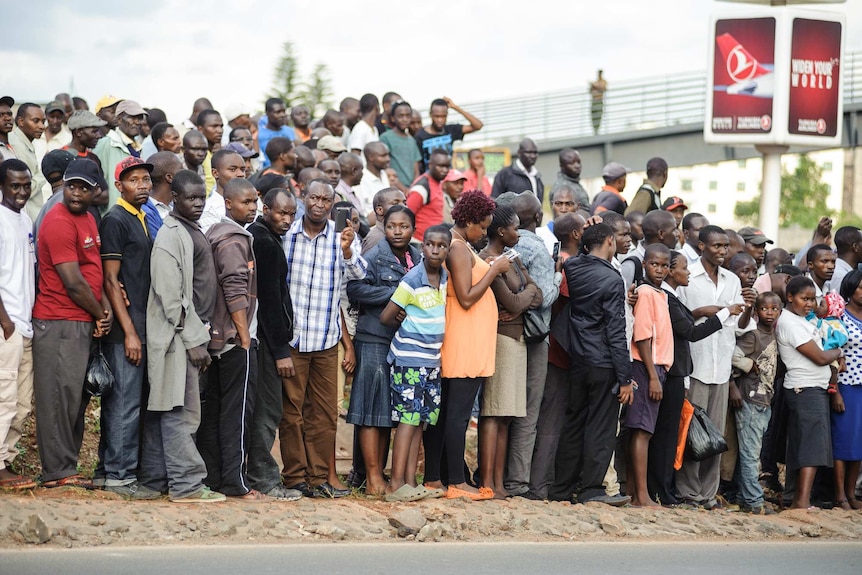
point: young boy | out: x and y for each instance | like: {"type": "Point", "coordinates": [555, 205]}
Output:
{"type": "Point", "coordinates": [652, 353]}
{"type": "Point", "coordinates": [418, 309]}
{"type": "Point", "coordinates": [754, 362]}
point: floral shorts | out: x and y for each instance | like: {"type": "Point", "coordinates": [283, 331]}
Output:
{"type": "Point", "coordinates": [415, 394]}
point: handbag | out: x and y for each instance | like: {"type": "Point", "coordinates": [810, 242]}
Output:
{"type": "Point", "coordinates": [535, 328]}
{"type": "Point", "coordinates": [99, 379]}
{"type": "Point", "coordinates": [704, 439]}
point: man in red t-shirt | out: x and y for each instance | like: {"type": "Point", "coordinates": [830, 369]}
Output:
{"type": "Point", "coordinates": [425, 198]}
{"type": "Point", "coordinates": [70, 310]}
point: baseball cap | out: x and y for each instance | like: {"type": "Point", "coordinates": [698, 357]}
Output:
{"type": "Point", "coordinates": [106, 102]}
{"type": "Point", "coordinates": [234, 111]}
{"type": "Point", "coordinates": [56, 161]}
{"type": "Point", "coordinates": [754, 236]}
{"type": "Point", "coordinates": [131, 108]}
{"type": "Point", "coordinates": [55, 106]}
{"type": "Point", "coordinates": [85, 170]}
{"type": "Point", "coordinates": [85, 119]}
{"type": "Point", "coordinates": [8, 100]}
{"type": "Point", "coordinates": [454, 175]}
{"type": "Point", "coordinates": [673, 203]}
{"type": "Point", "coordinates": [131, 163]}
{"type": "Point", "coordinates": [241, 150]}
{"type": "Point", "coordinates": [614, 170]}
{"type": "Point", "coordinates": [332, 144]}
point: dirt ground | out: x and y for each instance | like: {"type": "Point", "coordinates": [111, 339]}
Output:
{"type": "Point", "coordinates": [70, 517]}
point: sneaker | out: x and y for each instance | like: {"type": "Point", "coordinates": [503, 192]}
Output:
{"type": "Point", "coordinates": [612, 500]}
{"type": "Point", "coordinates": [205, 495]}
{"type": "Point", "coordinates": [98, 482]}
{"type": "Point", "coordinates": [327, 491]}
{"type": "Point", "coordinates": [282, 493]}
{"type": "Point", "coordinates": [134, 491]}
{"type": "Point", "coordinates": [720, 503]}
{"type": "Point", "coordinates": [303, 488]}
{"type": "Point", "coordinates": [759, 510]}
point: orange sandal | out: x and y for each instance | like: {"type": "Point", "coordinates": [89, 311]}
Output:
{"type": "Point", "coordinates": [17, 482]}
{"type": "Point", "coordinates": [485, 493]}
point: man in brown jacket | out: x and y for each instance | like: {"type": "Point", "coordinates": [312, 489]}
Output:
{"type": "Point", "coordinates": [228, 400]}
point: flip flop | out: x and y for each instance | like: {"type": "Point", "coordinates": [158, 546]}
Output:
{"type": "Point", "coordinates": [70, 481]}
{"type": "Point", "coordinates": [17, 482]}
{"type": "Point", "coordinates": [253, 495]}
{"type": "Point", "coordinates": [405, 494]}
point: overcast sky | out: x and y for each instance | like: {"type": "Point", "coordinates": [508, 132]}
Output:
{"type": "Point", "coordinates": [166, 53]}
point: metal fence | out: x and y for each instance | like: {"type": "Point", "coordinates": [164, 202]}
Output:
{"type": "Point", "coordinates": [630, 105]}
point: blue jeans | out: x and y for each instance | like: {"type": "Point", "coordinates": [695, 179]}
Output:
{"type": "Point", "coordinates": [751, 423]}
{"type": "Point", "coordinates": [121, 416]}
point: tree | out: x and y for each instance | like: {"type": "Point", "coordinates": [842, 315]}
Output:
{"type": "Point", "coordinates": [286, 84]}
{"type": "Point", "coordinates": [317, 92]}
{"type": "Point", "coordinates": [803, 197]}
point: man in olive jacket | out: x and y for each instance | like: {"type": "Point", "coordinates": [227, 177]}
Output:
{"type": "Point", "coordinates": [182, 295]}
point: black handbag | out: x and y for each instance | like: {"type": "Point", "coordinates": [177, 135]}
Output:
{"type": "Point", "coordinates": [99, 379]}
{"type": "Point", "coordinates": [535, 328]}
{"type": "Point", "coordinates": [704, 439]}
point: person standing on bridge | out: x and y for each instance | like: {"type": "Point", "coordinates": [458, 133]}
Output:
{"type": "Point", "coordinates": [597, 106]}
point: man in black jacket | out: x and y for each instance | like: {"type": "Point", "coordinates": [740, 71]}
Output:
{"type": "Point", "coordinates": [276, 330]}
{"type": "Point", "coordinates": [595, 338]}
{"type": "Point", "coordinates": [522, 175]}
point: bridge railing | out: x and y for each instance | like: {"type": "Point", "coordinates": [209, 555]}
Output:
{"type": "Point", "coordinates": [628, 105]}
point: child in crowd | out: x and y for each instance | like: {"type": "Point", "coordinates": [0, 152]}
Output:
{"type": "Point", "coordinates": [652, 350]}
{"type": "Point", "coordinates": [832, 330]}
{"type": "Point", "coordinates": [418, 309]}
{"type": "Point", "coordinates": [754, 360]}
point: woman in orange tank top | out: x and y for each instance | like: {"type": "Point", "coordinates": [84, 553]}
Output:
{"type": "Point", "coordinates": [469, 346]}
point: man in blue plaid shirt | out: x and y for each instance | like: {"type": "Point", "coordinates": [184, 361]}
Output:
{"type": "Point", "coordinates": [319, 259]}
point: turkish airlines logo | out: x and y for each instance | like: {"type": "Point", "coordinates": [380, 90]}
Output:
{"type": "Point", "coordinates": [739, 67]}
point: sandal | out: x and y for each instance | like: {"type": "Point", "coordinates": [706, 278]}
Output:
{"type": "Point", "coordinates": [17, 482]}
{"type": "Point", "coordinates": [76, 480]}
{"type": "Point", "coordinates": [484, 494]}
{"type": "Point", "coordinates": [252, 495]}
{"type": "Point", "coordinates": [405, 494]}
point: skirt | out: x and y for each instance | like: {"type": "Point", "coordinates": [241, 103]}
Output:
{"type": "Point", "coordinates": [809, 442]}
{"type": "Point", "coordinates": [847, 426]}
{"type": "Point", "coordinates": [505, 392]}
{"type": "Point", "coordinates": [370, 398]}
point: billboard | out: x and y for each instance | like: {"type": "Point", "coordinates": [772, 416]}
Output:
{"type": "Point", "coordinates": [815, 67]}
{"type": "Point", "coordinates": [774, 78]}
{"type": "Point", "coordinates": [743, 76]}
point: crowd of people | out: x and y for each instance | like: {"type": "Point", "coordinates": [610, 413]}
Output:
{"type": "Point", "coordinates": [235, 281]}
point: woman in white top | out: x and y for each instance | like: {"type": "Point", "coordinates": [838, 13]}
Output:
{"type": "Point", "coordinates": [809, 442]}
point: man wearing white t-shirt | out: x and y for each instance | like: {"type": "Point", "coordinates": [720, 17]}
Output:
{"type": "Point", "coordinates": [17, 295]}
{"type": "Point", "coordinates": [227, 165]}
{"type": "Point", "coordinates": [365, 130]}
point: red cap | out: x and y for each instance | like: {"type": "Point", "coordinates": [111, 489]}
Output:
{"type": "Point", "coordinates": [673, 203]}
{"type": "Point", "coordinates": [131, 163]}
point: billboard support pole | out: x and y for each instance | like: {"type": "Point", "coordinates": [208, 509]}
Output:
{"type": "Point", "coordinates": [770, 193]}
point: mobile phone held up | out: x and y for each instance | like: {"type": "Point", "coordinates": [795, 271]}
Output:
{"type": "Point", "coordinates": [511, 254]}
{"type": "Point", "coordinates": [342, 216]}
{"type": "Point", "coordinates": [556, 253]}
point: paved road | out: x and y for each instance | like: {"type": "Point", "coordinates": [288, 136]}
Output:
{"type": "Point", "coordinates": [619, 558]}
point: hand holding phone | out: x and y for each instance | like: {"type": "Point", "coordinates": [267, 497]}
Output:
{"type": "Point", "coordinates": [342, 216]}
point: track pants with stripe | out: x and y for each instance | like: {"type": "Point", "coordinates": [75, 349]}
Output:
{"type": "Point", "coordinates": [227, 406]}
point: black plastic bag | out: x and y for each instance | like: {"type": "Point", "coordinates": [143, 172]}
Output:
{"type": "Point", "coordinates": [704, 439]}
{"type": "Point", "coordinates": [99, 379]}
